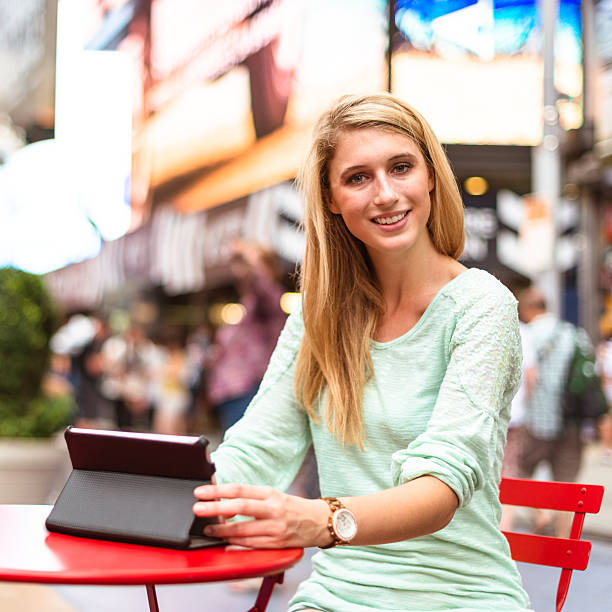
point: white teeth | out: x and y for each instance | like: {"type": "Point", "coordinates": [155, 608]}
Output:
{"type": "Point", "coordinates": [389, 220]}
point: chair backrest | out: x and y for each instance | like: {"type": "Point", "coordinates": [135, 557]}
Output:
{"type": "Point", "coordinates": [567, 553]}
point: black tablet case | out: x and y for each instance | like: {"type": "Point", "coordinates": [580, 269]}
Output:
{"type": "Point", "coordinates": [133, 489]}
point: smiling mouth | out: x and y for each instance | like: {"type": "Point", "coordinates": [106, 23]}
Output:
{"type": "Point", "coordinates": [391, 219]}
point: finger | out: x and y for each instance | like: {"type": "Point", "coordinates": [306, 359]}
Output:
{"type": "Point", "coordinates": [205, 492]}
{"type": "Point", "coordinates": [204, 509]}
{"type": "Point", "coordinates": [232, 490]}
{"type": "Point", "coordinates": [259, 542]}
{"type": "Point", "coordinates": [249, 528]}
{"type": "Point", "coordinates": [233, 507]}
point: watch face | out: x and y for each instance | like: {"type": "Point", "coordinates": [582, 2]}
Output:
{"type": "Point", "coordinates": [344, 524]}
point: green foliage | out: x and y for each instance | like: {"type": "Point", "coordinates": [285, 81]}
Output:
{"type": "Point", "coordinates": [27, 322]}
{"type": "Point", "coordinates": [28, 319]}
{"type": "Point", "coordinates": [38, 418]}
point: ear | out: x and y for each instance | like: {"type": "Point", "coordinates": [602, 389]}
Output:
{"type": "Point", "coordinates": [329, 201]}
{"type": "Point", "coordinates": [431, 183]}
{"type": "Point", "coordinates": [332, 207]}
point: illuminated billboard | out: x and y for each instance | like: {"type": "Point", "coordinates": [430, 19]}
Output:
{"type": "Point", "coordinates": [475, 70]}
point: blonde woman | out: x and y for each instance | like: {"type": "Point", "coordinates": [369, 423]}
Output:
{"type": "Point", "coordinates": [399, 369]}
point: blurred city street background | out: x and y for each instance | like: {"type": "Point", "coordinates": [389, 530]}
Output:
{"type": "Point", "coordinates": [148, 155]}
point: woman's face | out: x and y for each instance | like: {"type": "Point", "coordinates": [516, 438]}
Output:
{"type": "Point", "coordinates": [381, 184]}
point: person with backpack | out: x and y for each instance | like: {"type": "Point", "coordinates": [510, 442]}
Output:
{"type": "Point", "coordinates": [566, 399]}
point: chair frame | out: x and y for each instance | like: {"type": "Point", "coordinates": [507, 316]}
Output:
{"type": "Point", "coordinates": [567, 553]}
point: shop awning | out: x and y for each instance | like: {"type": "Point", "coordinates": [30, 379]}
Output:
{"type": "Point", "coordinates": [183, 253]}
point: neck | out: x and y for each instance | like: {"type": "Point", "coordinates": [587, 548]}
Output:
{"type": "Point", "coordinates": [404, 280]}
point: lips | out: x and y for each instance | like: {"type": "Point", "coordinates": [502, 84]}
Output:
{"type": "Point", "coordinates": [390, 219]}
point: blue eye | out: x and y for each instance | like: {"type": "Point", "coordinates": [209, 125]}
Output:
{"type": "Point", "coordinates": [401, 168]}
{"type": "Point", "coordinates": [356, 179]}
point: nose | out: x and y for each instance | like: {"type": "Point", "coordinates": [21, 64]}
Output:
{"type": "Point", "coordinates": [385, 193]}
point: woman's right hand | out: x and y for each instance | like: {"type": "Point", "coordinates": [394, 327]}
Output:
{"type": "Point", "coordinates": [276, 520]}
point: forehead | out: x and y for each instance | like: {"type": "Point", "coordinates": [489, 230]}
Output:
{"type": "Point", "coordinates": [367, 145]}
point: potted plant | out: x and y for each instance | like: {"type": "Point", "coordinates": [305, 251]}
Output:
{"type": "Point", "coordinates": [30, 452]}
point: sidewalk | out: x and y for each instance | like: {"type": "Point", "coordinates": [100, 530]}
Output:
{"type": "Point", "coordinates": [22, 597]}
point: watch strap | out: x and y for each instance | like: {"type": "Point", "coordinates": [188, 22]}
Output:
{"type": "Point", "coordinates": [334, 504]}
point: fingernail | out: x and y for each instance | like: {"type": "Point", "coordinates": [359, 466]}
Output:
{"type": "Point", "coordinates": [207, 531]}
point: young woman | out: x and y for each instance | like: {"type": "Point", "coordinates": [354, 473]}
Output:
{"type": "Point", "coordinates": [399, 369]}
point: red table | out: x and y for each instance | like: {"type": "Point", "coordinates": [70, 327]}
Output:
{"type": "Point", "coordinates": [30, 553]}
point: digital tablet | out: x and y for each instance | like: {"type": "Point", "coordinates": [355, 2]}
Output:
{"type": "Point", "coordinates": [134, 487]}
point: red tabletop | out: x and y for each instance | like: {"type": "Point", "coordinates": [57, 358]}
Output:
{"type": "Point", "coordinates": [30, 553]}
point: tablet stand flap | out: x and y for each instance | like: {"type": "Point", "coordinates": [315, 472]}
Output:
{"type": "Point", "coordinates": [142, 509]}
{"type": "Point", "coordinates": [139, 453]}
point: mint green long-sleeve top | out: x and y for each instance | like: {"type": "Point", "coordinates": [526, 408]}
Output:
{"type": "Point", "coordinates": [438, 404]}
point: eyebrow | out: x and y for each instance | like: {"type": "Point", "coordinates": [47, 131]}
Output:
{"type": "Point", "coordinates": [399, 156]}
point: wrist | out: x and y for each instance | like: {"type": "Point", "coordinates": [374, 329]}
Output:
{"type": "Point", "coordinates": [322, 537]}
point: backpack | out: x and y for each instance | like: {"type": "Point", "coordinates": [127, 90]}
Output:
{"type": "Point", "coordinates": [583, 398]}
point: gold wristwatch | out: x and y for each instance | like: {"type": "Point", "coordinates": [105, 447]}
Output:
{"type": "Point", "coordinates": [341, 525]}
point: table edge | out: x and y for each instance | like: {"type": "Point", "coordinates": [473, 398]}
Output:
{"type": "Point", "coordinates": [180, 576]}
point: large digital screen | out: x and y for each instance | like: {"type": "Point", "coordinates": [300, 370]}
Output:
{"type": "Point", "coordinates": [474, 67]}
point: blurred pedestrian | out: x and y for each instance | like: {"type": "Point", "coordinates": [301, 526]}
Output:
{"type": "Point", "coordinates": [549, 437]}
{"type": "Point", "coordinates": [57, 380]}
{"type": "Point", "coordinates": [197, 351]}
{"type": "Point", "coordinates": [130, 361]}
{"type": "Point", "coordinates": [400, 368]}
{"type": "Point", "coordinates": [240, 352]}
{"type": "Point", "coordinates": [171, 396]}
{"type": "Point", "coordinates": [93, 407]}
{"type": "Point", "coordinates": [70, 339]}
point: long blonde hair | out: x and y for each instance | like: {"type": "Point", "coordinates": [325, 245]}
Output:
{"type": "Point", "coordinates": [341, 300]}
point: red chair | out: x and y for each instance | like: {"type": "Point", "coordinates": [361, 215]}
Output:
{"type": "Point", "coordinates": [567, 553]}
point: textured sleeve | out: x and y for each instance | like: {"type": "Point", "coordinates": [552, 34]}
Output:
{"type": "Point", "coordinates": [268, 444]}
{"type": "Point", "coordinates": [461, 443]}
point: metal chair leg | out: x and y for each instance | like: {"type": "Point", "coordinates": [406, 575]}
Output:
{"type": "Point", "coordinates": [152, 597]}
{"type": "Point", "coordinates": [265, 592]}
